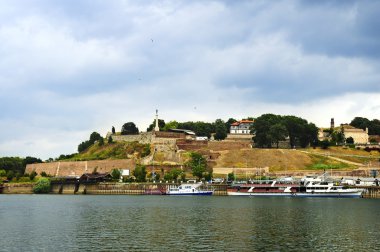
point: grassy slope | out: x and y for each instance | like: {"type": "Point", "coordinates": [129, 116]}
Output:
{"type": "Point", "coordinates": [117, 150]}
{"type": "Point", "coordinates": [278, 159]}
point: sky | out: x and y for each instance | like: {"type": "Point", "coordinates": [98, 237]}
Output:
{"type": "Point", "coordinates": [72, 67]}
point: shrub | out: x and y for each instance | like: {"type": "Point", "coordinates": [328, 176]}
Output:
{"type": "Point", "coordinates": [42, 186]}
{"type": "Point", "coordinates": [32, 175]}
{"type": "Point", "coordinates": [24, 179]}
{"type": "Point", "coordinates": [43, 174]}
{"type": "Point", "coordinates": [115, 173]}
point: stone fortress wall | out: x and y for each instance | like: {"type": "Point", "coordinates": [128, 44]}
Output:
{"type": "Point", "coordinates": [77, 168]}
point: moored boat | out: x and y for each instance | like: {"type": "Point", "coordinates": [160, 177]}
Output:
{"type": "Point", "coordinates": [308, 187]}
{"type": "Point", "coordinates": [188, 189]}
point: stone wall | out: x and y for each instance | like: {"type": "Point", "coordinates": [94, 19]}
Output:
{"type": "Point", "coordinates": [228, 145]}
{"type": "Point", "coordinates": [77, 168]}
{"type": "Point", "coordinates": [144, 138]}
{"type": "Point", "coordinates": [12, 188]}
{"type": "Point", "coordinates": [360, 136]}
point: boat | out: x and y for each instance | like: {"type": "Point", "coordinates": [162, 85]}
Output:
{"type": "Point", "coordinates": [188, 189]}
{"type": "Point", "coordinates": [307, 187]}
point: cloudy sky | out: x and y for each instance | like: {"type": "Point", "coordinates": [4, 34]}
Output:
{"type": "Point", "coordinates": [71, 67]}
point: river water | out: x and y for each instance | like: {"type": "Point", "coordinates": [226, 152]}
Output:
{"type": "Point", "coordinates": [190, 223]}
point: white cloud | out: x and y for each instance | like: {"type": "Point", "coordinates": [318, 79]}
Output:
{"type": "Point", "coordinates": [65, 71]}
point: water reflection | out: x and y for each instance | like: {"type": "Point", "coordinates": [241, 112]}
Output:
{"type": "Point", "coordinates": [149, 223]}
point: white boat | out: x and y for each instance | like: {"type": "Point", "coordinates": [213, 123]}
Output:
{"type": "Point", "coordinates": [188, 189]}
{"type": "Point", "coordinates": [308, 187]}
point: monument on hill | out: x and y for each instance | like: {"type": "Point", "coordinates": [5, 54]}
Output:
{"type": "Point", "coordinates": [156, 128]}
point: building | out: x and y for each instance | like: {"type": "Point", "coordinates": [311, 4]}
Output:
{"type": "Point", "coordinates": [360, 136]}
{"type": "Point", "coordinates": [241, 127]}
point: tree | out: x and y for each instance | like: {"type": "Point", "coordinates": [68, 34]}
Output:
{"type": "Point", "coordinates": [350, 140]}
{"type": "Point", "coordinates": [32, 175]}
{"type": "Point", "coordinates": [31, 160]}
{"type": "Point", "coordinates": [113, 130]}
{"type": "Point", "coordinates": [115, 173]}
{"type": "Point", "coordinates": [220, 129]}
{"type": "Point", "coordinates": [360, 123]}
{"type": "Point", "coordinates": [277, 133]}
{"type": "Point", "coordinates": [43, 174]}
{"type": "Point", "coordinates": [110, 140]}
{"type": "Point", "coordinates": [228, 124]}
{"type": "Point", "coordinates": [140, 173]}
{"type": "Point", "coordinates": [261, 129]}
{"type": "Point", "coordinates": [42, 186]}
{"type": "Point", "coordinates": [161, 125]}
{"type": "Point", "coordinates": [231, 176]}
{"type": "Point", "coordinates": [129, 128]}
{"type": "Point", "coordinates": [101, 141]}
{"type": "Point", "coordinates": [95, 136]}
{"type": "Point", "coordinates": [170, 125]}
{"type": "Point", "coordinates": [197, 164]}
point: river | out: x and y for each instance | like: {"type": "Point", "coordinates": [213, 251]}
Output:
{"type": "Point", "coordinates": [190, 223]}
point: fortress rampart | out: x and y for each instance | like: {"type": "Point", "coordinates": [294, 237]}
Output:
{"type": "Point", "coordinates": [77, 168]}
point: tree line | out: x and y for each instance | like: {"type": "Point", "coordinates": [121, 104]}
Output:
{"type": "Point", "coordinates": [363, 123]}
{"type": "Point", "coordinates": [270, 130]}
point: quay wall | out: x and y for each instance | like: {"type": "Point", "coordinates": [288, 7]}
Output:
{"type": "Point", "coordinates": [18, 188]}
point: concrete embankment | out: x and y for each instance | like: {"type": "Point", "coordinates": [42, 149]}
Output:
{"type": "Point", "coordinates": [17, 188]}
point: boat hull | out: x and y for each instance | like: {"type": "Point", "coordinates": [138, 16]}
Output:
{"type": "Point", "coordinates": [190, 193]}
{"type": "Point", "coordinates": [301, 195]}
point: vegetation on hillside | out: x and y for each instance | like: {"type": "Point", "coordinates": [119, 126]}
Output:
{"type": "Point", "coordinates": [270, 129]}
{"type": "Point", "coordinates": [363, 123]}
{"type": "Point", "coordinates": [115, 150]}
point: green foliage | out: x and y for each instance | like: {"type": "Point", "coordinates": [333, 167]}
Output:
{"type": "Point", "coordinates": [42, 186]}
{"type": "Point", "coordinates": [24, 180]}
{"type": "Point", "coordinates": [140, 173]}
{"type": "Point", "coordinates": [129, 128]}
{"type": "Point", "coordinates": [32, 175]}
{"type": "Point", "coordinates": [3, 173]}
{"type": "Point", "coordinates": [146, 150]}
{"type": "Point", "coordinates": [220, 129]}
{"type": "Point", "coordinates": [269, 129]}
{"type": "Point", "coordinates": [116, 173]}
{"type": "Point", "coordinates": [43, 174]}
{"type": "Point", "coordinates": [113, 130]}
{"type": "Point", "coordinates": [173, 174]}
{"type": "Point", "coordinates": [12, 163]}
{"type": "Point", "coordinates": [157, 176]}
{"type": "Point", "coordinates": [31, 160]}
{"type": "Point", "coordinates": [10, 174]}
{"type": "Point", "coordinates": [363, 123]}
{"type": "Point", "coordinates": [231, 176]}
{"type": "Point", "coordinates": [200, 128]}
{"type": "Point", "coordinates": [349, 140]}
{"type": "Point", "coordinates": [161, 125]}
{"type": "Point", "coordinates": [208, 176]}
{"type": "Point", "coordinates": [110, 140]}
{"type": "Point", "coordinates": [198, 164]}
{"type": "Point", "coordinates": [228, 124]}
{"type": "Point", "coordinates": [325, 144]}
{"type": "Point", "coordinates": [373, 140]}
{"type": "Point", "coordinates": [170, 125]}
{"type": "Point", "coordinates": [95, 136]}
{"type": "Point", "coordinates": [101, 142]}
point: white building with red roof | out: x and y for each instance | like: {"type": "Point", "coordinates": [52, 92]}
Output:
{"type": "Point", "coordinates": [241, 127]}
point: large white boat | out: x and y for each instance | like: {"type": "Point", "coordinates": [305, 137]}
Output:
{"type": "Point", "coordinates": [188, 189]}
{"type": "Point", "coordinates": [308, 187]}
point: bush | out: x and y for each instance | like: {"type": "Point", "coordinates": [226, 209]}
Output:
{"type": "Point", "coordinates": [115, 173]}
{"type": "Point", "coordinates": [43, 174]}
{"type": "Point", "coordinates": [32, 175]}
{"type": "Point", "coordinates": [24, 179]}
{"type": "Point", "coordinates": [42, 186]}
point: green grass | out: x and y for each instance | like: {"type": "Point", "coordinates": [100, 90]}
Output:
{"type": "Point", "coordinates": [116, 150]}
{"type": "Point", "coordinates": [324, 163]}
